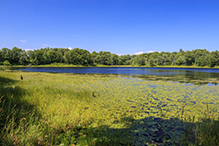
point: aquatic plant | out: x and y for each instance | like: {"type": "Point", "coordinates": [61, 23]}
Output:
{"type": "Point", "coordinates": [73, 109]}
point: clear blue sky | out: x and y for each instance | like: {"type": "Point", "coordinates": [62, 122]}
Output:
{"type": "Point", "coordinates": [118, 26]}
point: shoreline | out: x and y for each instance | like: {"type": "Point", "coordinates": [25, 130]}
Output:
{"type": "Point", "coordinates": [81, 66]}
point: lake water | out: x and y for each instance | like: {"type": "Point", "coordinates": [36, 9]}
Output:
{"type": "Point", "coordinates": [188, 75]}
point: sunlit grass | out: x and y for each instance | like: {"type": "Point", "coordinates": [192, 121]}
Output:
{"type": "Point", "coordinates": [54, 109]}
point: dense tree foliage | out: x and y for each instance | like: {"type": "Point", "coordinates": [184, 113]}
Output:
{"type": "Point", "coordinates": [76, 56]}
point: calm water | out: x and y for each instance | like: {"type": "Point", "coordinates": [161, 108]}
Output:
{"type": "Point", "coordinates": [188, 75]}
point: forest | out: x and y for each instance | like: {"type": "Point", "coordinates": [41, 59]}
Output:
{"type": "Point", "coordinates": [76, 56]}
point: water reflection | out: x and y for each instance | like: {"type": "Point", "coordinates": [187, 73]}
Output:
{"type": "Point", "coordinates": [197, 78]}
{"type": "Point", "coordinates": [183, 75]}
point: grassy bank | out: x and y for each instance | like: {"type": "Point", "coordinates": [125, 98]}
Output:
{"type": "Point", "coordinates": [73, 109]}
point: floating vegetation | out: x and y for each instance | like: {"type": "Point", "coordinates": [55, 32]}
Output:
{"type": "Point", "coordinates": [190, 78]}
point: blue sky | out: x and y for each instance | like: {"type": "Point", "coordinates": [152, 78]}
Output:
{"type": "Point", "coordinates": [118, 26]}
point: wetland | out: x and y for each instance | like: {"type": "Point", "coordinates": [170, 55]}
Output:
{"type": "Point", "coordinates": [182, 75]}
{"type": "Point", "coordinates": [153, 107]}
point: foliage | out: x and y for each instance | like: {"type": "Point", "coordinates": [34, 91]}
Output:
{"type": "Point", "coordinates": [152, 62]}
{"type": "Point", "coordinates": [6, 63]}
{"type": "Point", "coordinates": [76, 56]}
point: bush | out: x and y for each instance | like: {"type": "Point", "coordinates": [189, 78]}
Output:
{"type": "Point", "coordinates": [2, 68]}
{"type": "Point", "coordinates": [7, 63]}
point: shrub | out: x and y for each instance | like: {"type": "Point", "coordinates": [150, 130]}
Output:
{"type": "Point", "coordinates": [7, 63]}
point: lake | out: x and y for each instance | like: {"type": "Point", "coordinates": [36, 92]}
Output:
{"type": "Point", "coordinates": [187, 75]}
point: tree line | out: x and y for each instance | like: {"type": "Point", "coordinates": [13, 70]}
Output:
{"type": "Point", "coordinates": [76, 56]}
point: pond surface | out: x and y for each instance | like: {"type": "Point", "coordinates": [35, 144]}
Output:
{"type": "Point", "coordinates": [187, 75]}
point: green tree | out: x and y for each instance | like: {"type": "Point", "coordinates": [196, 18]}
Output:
{"type": "Point", "coordinates": [1, 56]}
{"type": "Point", "coordinates": [152, 62]}
{"type": "Point", "coordinates": [7, 63]}
{"type": "Point", "coordinates": [189, 57]}
{"type": "Point", "coordinates": [36, 56]}
{"type": "Point", "coordinates": [6, 54]}
{"type": "Point", "coordinates": [173, 58]}
{"type": "Point", "coordinates": [15, 54]}
{"type": "Point", "coordinates": [114, 59]}
{"type": "Point", "coordinates": [141, 60]}
{"type": "Point", "coordinates": [160, 60]}
{"type": "Point", "coordinates": [23, 58]}
{"type": "Point", "coordinates": [51, 55]}
{"type": "Point", "coordinates": [214, 59]}
{"type": "Point", "coordinates": [94, 54]}
{"type": "Point", "coordinates": [125, 59]}
{"type": "Point", "coordinates": [45, 56]}
{"type": "Point", "coordinates": [166, 59]}
{"type": "Point", "coordinates": [201, 57]}
{"type": "Point", "coordinates": [181, 60]}
{"type": "Point", "coordinates": [78, 57]}
{"type": "Point", "coordinates": [103, 58]}
{"type": "Point", "coordinates": [181, 50]}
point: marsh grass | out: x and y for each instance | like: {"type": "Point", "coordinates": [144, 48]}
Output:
{"type": "Point", "coordinates": [73, 109]}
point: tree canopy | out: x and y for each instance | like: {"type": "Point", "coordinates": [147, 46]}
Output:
{"type": "Point", "coordinates": [77, 56]}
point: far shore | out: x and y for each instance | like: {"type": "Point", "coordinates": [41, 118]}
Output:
{"type": "Point", "coordinates": [70, 65]}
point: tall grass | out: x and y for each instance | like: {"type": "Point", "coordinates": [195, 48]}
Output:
{"type": "Point", "coordinates": [71, 109]}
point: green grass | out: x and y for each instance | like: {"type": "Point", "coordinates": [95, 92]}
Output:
{"type": "Point", "coordinates": [73, 109]}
